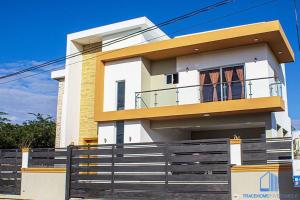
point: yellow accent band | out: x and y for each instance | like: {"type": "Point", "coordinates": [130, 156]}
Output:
{"type": "Point", "coordinates": [265, 32]}
{"type": "Point", "coordinates": [262, 168]}
{"type": "Point", "coordinates": [265, 104]}
{"type": "Point", "coordinates": [235, 141]}
{"type": "Point", "coordinates": [24, 150]}
{"type": "Point", "coordinates": [43, 170]}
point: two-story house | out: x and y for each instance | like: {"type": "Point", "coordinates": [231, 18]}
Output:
{"type": "Point", "coordinates": [222, 83]}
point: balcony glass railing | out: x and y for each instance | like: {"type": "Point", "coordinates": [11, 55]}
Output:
{"type": "Point", "coordinates": [250, 88]}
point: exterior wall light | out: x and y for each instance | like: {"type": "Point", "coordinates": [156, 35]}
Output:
{"type": "Point", "coordinates": [105, 140]}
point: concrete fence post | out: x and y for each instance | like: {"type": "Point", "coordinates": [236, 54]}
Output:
{"type": "Point", "coordinates": [25, 157]}
{"type": "Point", "coordinates": [235, 152]}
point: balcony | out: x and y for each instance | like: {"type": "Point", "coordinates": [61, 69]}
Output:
{"type": "Point", "coordinates": [195, 94]}
{"type": "Point", "coordinates": [250, 96]}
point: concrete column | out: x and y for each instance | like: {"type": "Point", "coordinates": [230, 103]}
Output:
{"type": "Point", "coordinates": [271, 131]}
{"type": "Point", "coordinates": [25, 157]}
{"type": "Point", "coordinates": [235, 152]}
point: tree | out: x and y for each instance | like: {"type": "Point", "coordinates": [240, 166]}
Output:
{"type": "Point", "coordinates": [36, 133]}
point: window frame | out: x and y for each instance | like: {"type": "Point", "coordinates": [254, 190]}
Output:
{"type": "Point", "coordinates": [117, 94]}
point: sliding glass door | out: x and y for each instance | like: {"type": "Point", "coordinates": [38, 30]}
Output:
{"type": "Point", "coordinates": [226, 83]}
{"type": "Point", "coordinates": [233, 83]}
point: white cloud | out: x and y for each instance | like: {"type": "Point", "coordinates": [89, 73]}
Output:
{"type": "Point", "coordinates": [35, 94]}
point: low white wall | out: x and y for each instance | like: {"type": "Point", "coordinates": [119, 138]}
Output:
{"type": "Point", "coordinates": [246, 185]}
{"type": "Point", "coordinates": [235, 154]}
{"type": "Point", "coordinates": [43, 186]}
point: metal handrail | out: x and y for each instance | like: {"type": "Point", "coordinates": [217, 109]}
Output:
{"type": "Point", "coordinates": [174, 88]}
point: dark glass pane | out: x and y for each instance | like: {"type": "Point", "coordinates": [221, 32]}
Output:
{"type": "Point", "coordinates": [236, 86]}
{"type": "Point", "coordinates": [175, 78]}
{"type": "Point", "coordinates": [169, 79]}
{"type": "Point", "coordinates": [208, 89]}
{"type": "Point", "coordinates": [121, 95]}
{"type": "Point", "coordinates": [120, 132]}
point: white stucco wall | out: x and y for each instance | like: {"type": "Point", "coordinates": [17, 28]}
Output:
{"type": "Point", "coordinates": [254, 57]}
{"type": "Point", "coordinates": [71, 99]}
{"type": "Point", "coordinates": [139, 39]}
{"type": "Point", "coordinates": [75, 41]}
{"type": "Point", "coordinates": [137, 131]}
{"type": "Point", "coordinates": [128, 70]}
{"type": "Point", "coordinates": [259, 62]}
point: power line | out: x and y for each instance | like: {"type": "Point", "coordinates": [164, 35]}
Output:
{"type": "Point", "coordinates": [177, 31]}
{"type": "Point", "coordinates": [165, 23]}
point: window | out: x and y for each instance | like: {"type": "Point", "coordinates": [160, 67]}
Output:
{"type": "Point", "coordinates": [120, 95]}
{"type": "Point", "coordinates": [225, 83]}
{"type": "Point", "coordinates": [120, 132]}
{"type": "Point", "coordinates": [172, 78]}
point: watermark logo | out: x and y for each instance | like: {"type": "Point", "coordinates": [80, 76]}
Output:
{"type": "Point", "coordinates": [269, 182]}
{"type": "Point", "coordinates": [297, 181]}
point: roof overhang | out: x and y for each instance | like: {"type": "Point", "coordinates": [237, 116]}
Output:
{"type": "Point", "coordinates": [265, 32]}
{"type": "Point", "coordinates": [58, 74]}
{"type": "Point", "coordinates": [96, 34]}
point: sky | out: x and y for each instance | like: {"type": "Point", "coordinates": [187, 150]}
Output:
{"type": "Point", "coordinates": [35, 31]}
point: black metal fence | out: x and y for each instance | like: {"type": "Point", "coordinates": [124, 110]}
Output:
{"type": "Point", "coordinates": [266, 151]}
{"type": "Point", "coordinates": [181, 170]}
{"type": "Point", "coordinates": [10, 171]}
{"type": "Point", "coordinates": [47, 157]}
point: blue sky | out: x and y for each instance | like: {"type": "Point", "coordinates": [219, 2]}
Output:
{"type": "Point", "coordinates": [34, 31]}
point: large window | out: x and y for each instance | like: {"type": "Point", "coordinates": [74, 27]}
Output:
{"type": "Point", "coordinates": [120, 95]}
{"type": "Point", "coordinates": [225, 83]}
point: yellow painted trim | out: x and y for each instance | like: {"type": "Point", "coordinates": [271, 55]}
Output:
{"type": "Point", "coordinates": [235, 141]}
{"type": "Point", "coordinates": [266, 104]}
{"type": "Point", "coordinates": [99, 88]}
{"type": "Point", "coordinates": [261, 168]}
{"type": "Point", "coordinates": [90, 138]}
{"type": "Point", "coordinates": [24, 150]}
{"type": "Point", "coordinates": [43, 170]}
{"type": "Point", "coordinates": [266, 32]}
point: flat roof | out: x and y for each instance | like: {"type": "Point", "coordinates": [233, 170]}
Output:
{"type": "Point", "coordinates": [264, 32]}
{"type": "Point", "coordinates": [95, 34]}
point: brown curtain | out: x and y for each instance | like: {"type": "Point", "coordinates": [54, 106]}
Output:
{"type": "Point", "coordinates": [240, 74]}
{"type": "Point", "coordinates": [202, 80]}
{"type": "Point", "coordinates": [214, 77]}
{"type": "Point", "coordinates": [228, 75]}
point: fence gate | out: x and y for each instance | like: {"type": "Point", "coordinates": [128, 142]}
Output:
{"type": "Point", "coordinates": [10, 171]}
{"type": "Point", "coordinates": [198, 169]}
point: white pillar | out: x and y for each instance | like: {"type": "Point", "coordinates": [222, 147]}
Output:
{"type": "Point", "coordinates": [235, 152]}
{"type": "Point", "coordinates": [25, 157]}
